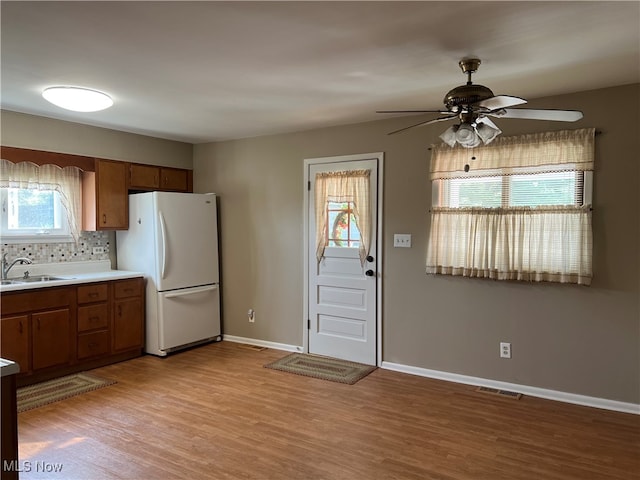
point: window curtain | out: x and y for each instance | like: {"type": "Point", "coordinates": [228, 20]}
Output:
{"type": "Point", "coordinates": [547, 243]}
{"type": "Point", "coordinates": [551, 244]}
{"type": "Point", "coordinates": [547, 151]}
{"type": "Point", "coordinates": [66, 181]}
{"type": "Point", "coordinates": [344, 186]}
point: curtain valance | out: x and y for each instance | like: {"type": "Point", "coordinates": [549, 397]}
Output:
{"type": "Point", "coordinates": [556, 150]}
{"type": "Point", "coordinates": [66, 181]}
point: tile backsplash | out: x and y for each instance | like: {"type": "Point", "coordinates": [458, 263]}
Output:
{"type": "Point", "coordinates": [61, 252]}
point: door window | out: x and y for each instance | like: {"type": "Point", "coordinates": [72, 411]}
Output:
{"type": "Point", "coordinates": [342, 230]}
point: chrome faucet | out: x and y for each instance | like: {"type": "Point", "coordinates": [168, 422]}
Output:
{"type": "Point", "coordinates": [6, 266]}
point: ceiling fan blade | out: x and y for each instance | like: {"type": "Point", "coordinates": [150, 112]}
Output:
{"type": "Point", "coordinates": [533, 114]}
{"type": "Point", "coordinates": [411, 111]}
{"type": "Point", "coordinates": [421, 124]}
{"type": "Point", "coordinates": [500, 101]}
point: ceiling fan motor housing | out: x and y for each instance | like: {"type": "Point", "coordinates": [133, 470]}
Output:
{"type": "Point", "coordinates": [465, 95]}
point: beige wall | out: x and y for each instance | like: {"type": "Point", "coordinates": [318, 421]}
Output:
{"type": "Point", "coordinates": [40, 133]}
{"type": "Point", "coordinates": [582, 340]}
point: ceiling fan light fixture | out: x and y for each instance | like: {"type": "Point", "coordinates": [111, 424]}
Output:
{"type": "Point", "coordinates": [449, 135]}
{"type": "Point", "coordinates": [487, 133]}
{"type": "Point", "coordinates": [466, 136]}
{"type": "Point", "coordinates": [77, 99]}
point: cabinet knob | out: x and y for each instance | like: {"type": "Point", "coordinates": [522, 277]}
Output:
{"type": "Point", "coordinates": [104, 218]}
{"type": "Point", "coordinates": [369, 273]}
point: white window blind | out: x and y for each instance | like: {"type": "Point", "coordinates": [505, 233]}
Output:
{"type": "Point", "coordinates": [517, 209]}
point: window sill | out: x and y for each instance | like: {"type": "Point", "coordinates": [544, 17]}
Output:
{"type": "Point", "coordinates": [14, 239]}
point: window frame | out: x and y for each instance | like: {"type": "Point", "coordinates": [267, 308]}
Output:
{"type": "Point", "coordinates": [15, 236]}
{"type": "Point", "coordinates": [351, 224]}
{"type": "Point", "coordinates": [440, 189]}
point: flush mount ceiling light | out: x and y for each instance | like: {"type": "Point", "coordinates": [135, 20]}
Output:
{"type": "Point", "coordinates": [77, 99]}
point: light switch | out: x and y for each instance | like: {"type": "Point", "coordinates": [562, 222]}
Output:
{"type": "Point", "coordinates": [402, 240]}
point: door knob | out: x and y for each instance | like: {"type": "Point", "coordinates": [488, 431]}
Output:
{"type": "Point", "coordinates": [370, 258]}
{"type": "Point", "coordinates": [369, 273]}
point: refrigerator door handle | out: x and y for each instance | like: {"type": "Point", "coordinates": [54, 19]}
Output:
{"type": "Point", "coordinates": [163, 229]}
{"type": "Point", "coordinates": [191, 291]}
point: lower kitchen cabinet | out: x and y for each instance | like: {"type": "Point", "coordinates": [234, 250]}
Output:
{"type": "Point", "coordinates": [93, 320]}
{"type": "Point", "coordinates": [15, 340]}
{"type": "Point", "coordinates": [38, 328]}
{"type": "Point", "coordinates": [128, 315]}
{"type": "Point", "coordinates": [55, 331]}
{"type": "Point", "coordinates": [51, 336]}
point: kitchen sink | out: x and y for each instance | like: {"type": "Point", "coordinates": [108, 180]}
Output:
{"type": "Point", "coordinates": [31, 279]}
{"type": "Point", "coordinates": [39, 278]}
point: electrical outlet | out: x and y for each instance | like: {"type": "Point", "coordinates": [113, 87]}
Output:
{"type": "Point", "coordinates": [97, 250]}
{"type": "Point", "coordinates": [505, 350]}
{"type": "Point", "coordinates": [251, 315]}
{"type": "Point", "coordinates": [402, 240]}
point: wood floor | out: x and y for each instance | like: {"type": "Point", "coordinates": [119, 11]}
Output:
{"type": "Point", "coordinates": [215, 413]}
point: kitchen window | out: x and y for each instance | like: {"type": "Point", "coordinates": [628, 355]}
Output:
{"type": "Point", "coordinates": [39, 203]}
{"type": "Point", "coordinates": [518, 209]}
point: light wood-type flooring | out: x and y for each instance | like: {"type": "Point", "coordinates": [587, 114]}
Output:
{"type": "Point", "coordinates": [214, 412]}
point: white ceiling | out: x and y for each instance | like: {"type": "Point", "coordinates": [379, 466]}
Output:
{"type": "Point", "coordinates": [209, 71]}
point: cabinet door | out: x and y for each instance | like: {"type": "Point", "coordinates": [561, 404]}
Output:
{"type": "Point", "coordinates": [174, 179]}
{"type": "Point", "coordinates": [128, 324]}
{"type": "Point", "coordinates": [51, 332]}
{"type": "Point", "coordinates": [112, 195]}
{"type": "Point", "coordinates": [144, 177]}
{"type": "Point", "coordinates": [15, 340]}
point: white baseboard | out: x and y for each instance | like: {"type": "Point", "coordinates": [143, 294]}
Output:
{"type": "Point", "coordinates": [262, 343]}
{"type": "Point", "coordinates": [514, 387]}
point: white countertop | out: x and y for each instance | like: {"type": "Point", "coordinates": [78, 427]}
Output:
{"type": "Point", "coordinates": [70, 273]}
{"type": "Point", "coordinates": [7, 367]}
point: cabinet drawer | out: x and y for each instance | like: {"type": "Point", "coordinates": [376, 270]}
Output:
{"type": "Point", "coordinates": [93, 293]}
{"type": "Point", "coordinates": [93, 317]}
{"type": "Point", "coordinates": [128, 288]}
{"type": "Point", "coordinates": [93, 344]}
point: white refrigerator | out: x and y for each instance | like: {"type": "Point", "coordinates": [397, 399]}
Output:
{"type": "Point", "coordinates": [173, 240]}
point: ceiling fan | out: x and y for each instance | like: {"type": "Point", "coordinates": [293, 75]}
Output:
{"type": "Point", "coordinates": [472, 104]}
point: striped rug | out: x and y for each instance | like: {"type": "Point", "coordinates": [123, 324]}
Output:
{"type": "Point", "coordinates": [324, 368]}
{"type": "Point", "coordinates": [44, 393]}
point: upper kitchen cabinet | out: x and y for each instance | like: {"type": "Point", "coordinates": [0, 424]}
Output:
{"type": "Point", "coordinates": [105, 196]}
{"type": "Point", "coordinates": [144, 177]}
{"type": "Point", "coordinates": [148, 177]}
{"type": "Point", "coordinates": [174, 179]}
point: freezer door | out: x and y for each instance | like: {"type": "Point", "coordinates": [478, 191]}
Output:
{"type": "Point", "coordinates": [188, 315]}
{"type": "Point", "coordinates": [187, 240]}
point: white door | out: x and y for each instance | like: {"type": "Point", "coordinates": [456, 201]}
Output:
{"type": "Point", "coordinates": [342, 298]}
